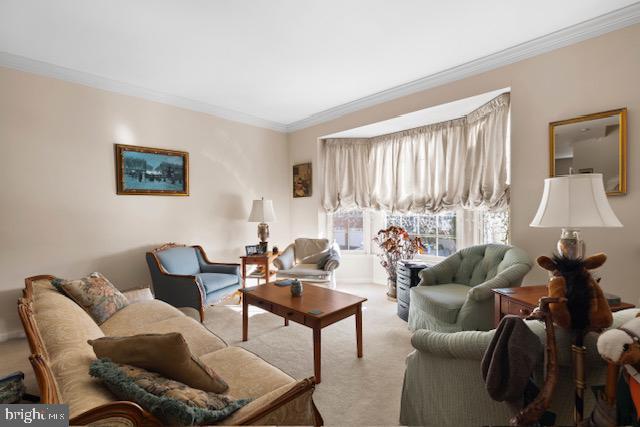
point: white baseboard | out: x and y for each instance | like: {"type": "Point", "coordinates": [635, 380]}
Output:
{"type": "Point", "coordinates": [6, 336]}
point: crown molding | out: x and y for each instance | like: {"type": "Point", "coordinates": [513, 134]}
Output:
{"type": "Point", "coordinates": [603, 24]}
{"type": "Point", "coordinates": [28, 65]}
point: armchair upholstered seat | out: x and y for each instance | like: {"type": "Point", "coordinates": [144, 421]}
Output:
{"type": "Point", "coordinates": [455, 295]}
{"type": "Point", "coordinates": [312, 260]}
{"type": "Point", "coordinates": [183, 277]}
{"type": "Point", "coordinates": [443, 384]}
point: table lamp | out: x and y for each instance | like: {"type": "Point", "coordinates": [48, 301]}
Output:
{"type": "Point", "coordinates": [262, 212]}
{"type": "Point", "coordinates": [571, 203]}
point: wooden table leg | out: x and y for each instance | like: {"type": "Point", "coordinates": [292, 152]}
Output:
{"type": "Point", "coordinates": [266, 271]}
{"type": "Point", "coordinates": [317, 360]}
{"type": "Point", "coordinates": [286, 321]}
{"type": "Point", "coordinates": [359, 329]}
{"type": "Point", "coordinates": [244, 273]}
{"type": "Point", "coordinates": [497, 315]}
{"type": "Point", "coordinates": [245, 319]}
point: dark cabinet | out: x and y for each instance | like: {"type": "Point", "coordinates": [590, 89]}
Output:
{"type": "Point", "coordinates": [407, 278]}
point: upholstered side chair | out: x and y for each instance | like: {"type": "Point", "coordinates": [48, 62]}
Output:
{"type": "Point", "coordinates": [455, 295]}
{"type": "Point", "coordinates": [183, 276]}
{"type": "Point", "coordinates": [311, 260]}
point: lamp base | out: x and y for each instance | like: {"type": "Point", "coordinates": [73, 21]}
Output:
{"type": "Point", "coordinates": [571, 244]}
{"type": "Point", "coordinates": [263, 232]}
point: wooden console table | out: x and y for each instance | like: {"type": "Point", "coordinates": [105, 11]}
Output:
{"type": "Point", "coordinates": [263, 261]}
{"type": "Point", "coordinates": [522, 300]}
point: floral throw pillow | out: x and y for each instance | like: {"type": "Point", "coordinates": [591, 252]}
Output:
{"type": "Point", "coordinates": [95, 294]}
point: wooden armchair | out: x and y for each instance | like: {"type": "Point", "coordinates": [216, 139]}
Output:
{"type": "Point", "coordinates": [183, 276]}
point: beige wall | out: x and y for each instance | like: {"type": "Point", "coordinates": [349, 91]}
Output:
{"type": "Point", "coordinates": [59, 211]}
{"type": "Point", "coordinates": [596, 75]}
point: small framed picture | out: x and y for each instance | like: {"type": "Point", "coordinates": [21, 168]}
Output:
{"type": "Point", "coordinates": [302, 180]}
{"type": "Point", "coordinates": [151, 171]}
{"type": "Point", "coordinates": [251, 249]}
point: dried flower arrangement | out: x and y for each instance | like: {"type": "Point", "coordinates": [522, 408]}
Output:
{"type": "Point", "coordinates": [396, 244]}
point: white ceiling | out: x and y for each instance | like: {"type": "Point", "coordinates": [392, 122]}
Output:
{"type": "Point", "coordinates": [426, 116]}
{"type": "Point", "coordinates": [277, 60]}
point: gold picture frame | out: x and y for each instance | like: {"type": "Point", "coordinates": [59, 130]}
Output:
{"type": "Point", "coordinates": [151, 171]}
{"type": "Point", "coordinates": [302, 183]}
{"type": "Point", "coordinates": [590, 128]}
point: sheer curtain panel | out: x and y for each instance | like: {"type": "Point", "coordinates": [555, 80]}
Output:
{"type": "Point", "coordinates": [443, 166]}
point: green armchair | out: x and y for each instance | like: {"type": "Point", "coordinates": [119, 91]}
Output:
{"type": "Point", "coordinates": [443, 383]}
{"type": "Point", "coordinates": [455, 295]}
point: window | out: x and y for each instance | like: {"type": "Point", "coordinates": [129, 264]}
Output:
{"type": "Point", "coordinates": [495, 226]}
{"type": "Point", "coordinates": [438, 231]}
{"type": "Point", "coordinates": [347, 229]}
{"type": "Point", "coordinates": [442, 234]}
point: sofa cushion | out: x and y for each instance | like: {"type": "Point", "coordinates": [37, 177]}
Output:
{"type": "Point", "coordinates": [166, 354]}
{"type": "Point", "coordinates": [199, 338]}
{"type": "Point", "coordinates": [316, 259]}
{"type": "Point", "coordinates": [215, 281]}
{"type": "Point", "coordinates": [306, 247]}
{"type": "Point", "coordinates": [180, 260]}
{"type": "Point", "coordinates": [170, 401]}
{"type": "Point", "coordinates": [248, 375]}
{"type": "Point", "coordinates": [304, 270]}
{"type": "Point", "coordinates": [139, 314]}
{"type": "Point", "coordinates": [220, 294]}
{"type": "Point", "coordinates": [95, 294]}
{"type": "Point", "coordinates": [441, 301]}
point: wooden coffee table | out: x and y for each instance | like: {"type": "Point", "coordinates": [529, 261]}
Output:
{"type": "Point", "coordinates": [317, 308]}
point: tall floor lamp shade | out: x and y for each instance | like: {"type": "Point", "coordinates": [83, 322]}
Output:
{"type": "Point", "coordinates": [571, 203]}
{"type": "Point", "coordinates": [262, 213]}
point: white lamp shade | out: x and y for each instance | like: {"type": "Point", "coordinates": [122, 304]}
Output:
{"type": "Point", "coordinates": [575, 201]}
{"type": "Point", "coordinates": [262, 211]}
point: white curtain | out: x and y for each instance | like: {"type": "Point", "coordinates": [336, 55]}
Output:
{"type": "Point", "coordinates": [459, 163]}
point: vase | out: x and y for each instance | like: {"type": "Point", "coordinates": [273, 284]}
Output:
{"type": "Point", "coordinates": [296, 288]}
{"type": "Point", "coordinates": [391, 289]}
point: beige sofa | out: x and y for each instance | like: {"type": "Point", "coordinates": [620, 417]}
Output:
{"type": "Point", "coordinates": [58, 330]}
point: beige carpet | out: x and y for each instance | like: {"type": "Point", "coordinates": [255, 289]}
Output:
{"type": "Point", "coordinates": [353, 391]}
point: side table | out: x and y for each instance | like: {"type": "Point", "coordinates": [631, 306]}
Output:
{"type": "Point", "coordinates": [264, 261]}
{"type": "Point", "coordinates": [522, 300]}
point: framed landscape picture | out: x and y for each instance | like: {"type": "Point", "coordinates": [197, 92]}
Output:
{"type": "Point", "coordinates": [151, 171]}
{"type": "Point", "coordinates": [302, 180]}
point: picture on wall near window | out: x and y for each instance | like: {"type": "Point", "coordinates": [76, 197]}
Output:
{"type": "Point", "coordinates": [302, 180]}
{"type": "Point", "coordinates": [151, 171]}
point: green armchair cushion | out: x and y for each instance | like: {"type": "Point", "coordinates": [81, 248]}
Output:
{"type": "Point", "coordinates": [442, 301]}
{"type": "Point", "coordinates": [466, 278]}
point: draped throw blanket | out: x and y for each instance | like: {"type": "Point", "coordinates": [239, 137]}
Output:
{"type": "Point", "coordinates": [443, 166]}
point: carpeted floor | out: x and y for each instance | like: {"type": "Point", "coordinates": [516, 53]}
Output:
{"type": "Point", "coordinates": [353, 391]}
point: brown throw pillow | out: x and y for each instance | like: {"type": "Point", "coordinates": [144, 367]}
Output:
{"type": "Point", "coordinates": [166, 354]}
{"type": "Point", "coordinates": [95, 294]}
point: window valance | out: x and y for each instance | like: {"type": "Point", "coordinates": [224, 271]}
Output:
{"type": "Point", "coordinates": [443, 166]}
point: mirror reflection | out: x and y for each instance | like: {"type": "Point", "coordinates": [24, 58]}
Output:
{"type": "Point", "coordinates": [591, 144]}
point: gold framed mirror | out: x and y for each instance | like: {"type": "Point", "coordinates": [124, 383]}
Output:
{"type": "Point", "coordinates": [594, 143]}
